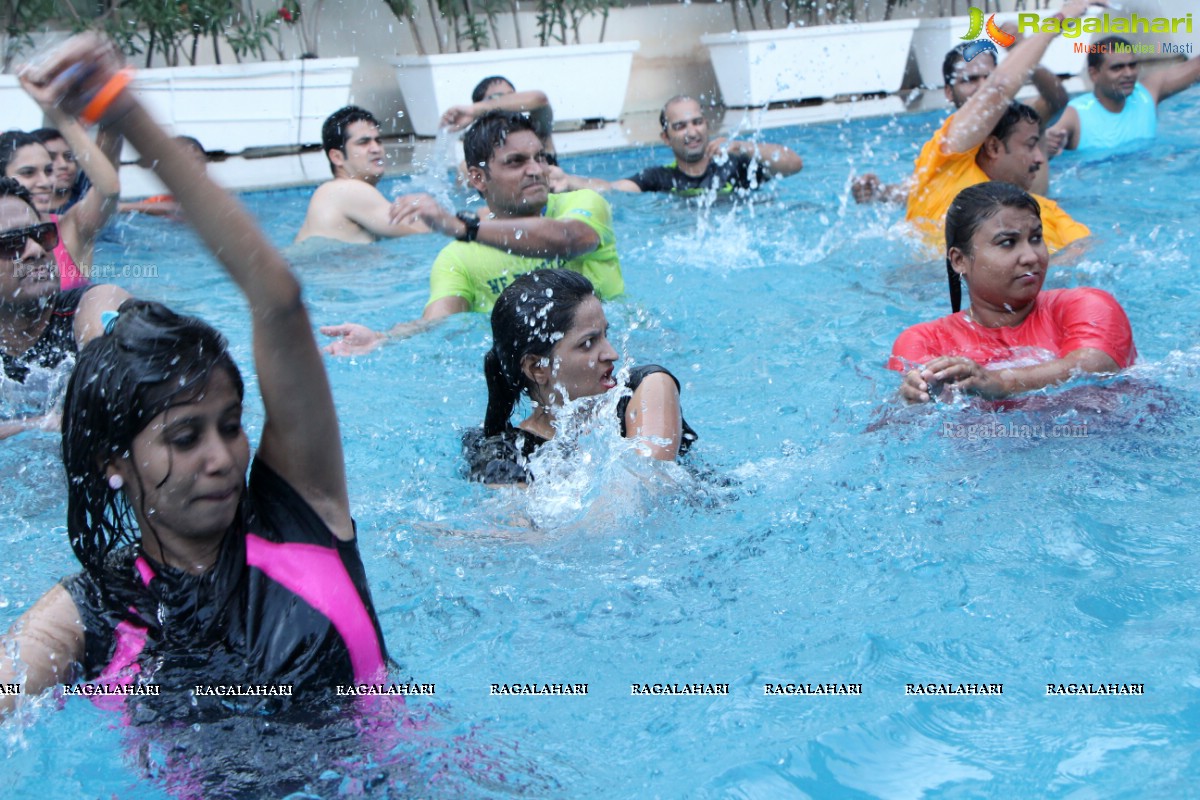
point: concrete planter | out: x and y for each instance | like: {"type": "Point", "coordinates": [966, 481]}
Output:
{"type": "Point", "coordinates": [761, 67]}
{"type": "Point", "coordinates": [936, 37]}
{"type": "Point", "coordinates": [583, 82]}
{"type": "Point", "coordinates": [20, 112]}
{"type": "Point", "coordinates": [234, 107]}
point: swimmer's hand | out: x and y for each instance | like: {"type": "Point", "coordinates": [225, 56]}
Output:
{"type": "Point", "coordinates": [951, 373]}
{"type": "Point", "coordinates": [457, 117]}
{"type": "Point", "coordinates": [558, 180]}
{"type": "Point", "coordinates": [1055, 140]}
{"type": "Point", "coordinates": [865, 188]}
{"type": "Point", "coordinates": [424, 209]}
{"type": "Point", "coordinates": [354, 339]}
{"type": "Point", "coordinates": [71, 75]}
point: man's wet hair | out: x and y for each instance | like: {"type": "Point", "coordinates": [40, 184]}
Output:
{"type": "Point", "coordinates": [479, 93]}
{"type": "Point", "coordinates": [950, 62]}
{"type": "Point", "coordinates": [1101, 48]}
{"type": "Point", "coordinates": [1013, 115]}
{"type": "Point", "coordinates": [333, 131]}
{"type": "Point", "coordinates": [489, 133]}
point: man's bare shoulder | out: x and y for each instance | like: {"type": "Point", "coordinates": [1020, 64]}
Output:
{"type": "Point", "coordinates": [333, 207]}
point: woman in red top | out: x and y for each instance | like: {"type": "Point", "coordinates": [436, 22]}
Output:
{"type": "Point", "coordinates": [1013, 337]}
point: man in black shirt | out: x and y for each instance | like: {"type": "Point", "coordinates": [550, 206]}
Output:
{"type": "Point", "coordinates": [702, 164]}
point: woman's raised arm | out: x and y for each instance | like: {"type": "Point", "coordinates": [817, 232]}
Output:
{"type": "Point", "coordinates": [300, 438]}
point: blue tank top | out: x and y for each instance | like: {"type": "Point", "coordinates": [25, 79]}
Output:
{"type": "Point", "coordinates": [1100, 129]}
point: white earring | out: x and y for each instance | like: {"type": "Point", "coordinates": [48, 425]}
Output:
{"type": "Point", "coordinates": [115, 482]}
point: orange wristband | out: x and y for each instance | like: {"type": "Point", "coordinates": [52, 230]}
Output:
{"type": "Point", "coordinates": [104, 98]}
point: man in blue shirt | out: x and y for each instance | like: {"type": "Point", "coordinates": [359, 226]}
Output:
{"type": "Point", "coordinates": [1121, 108]}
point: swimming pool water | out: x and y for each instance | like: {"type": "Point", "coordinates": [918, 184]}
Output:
{"type": "Point", "coordinates": [845, 540]}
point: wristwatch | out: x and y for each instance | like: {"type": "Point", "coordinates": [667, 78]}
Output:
{"type": "Point", "coordinates": [471, 220]}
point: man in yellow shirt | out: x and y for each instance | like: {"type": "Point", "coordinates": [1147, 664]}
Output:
{"type": "Point", "coordinates": [527, 228]}
{"type": "Point", "coordinates": [990, 138]}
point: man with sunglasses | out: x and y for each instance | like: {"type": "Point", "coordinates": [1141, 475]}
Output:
{"type": "Point", "coordinates": [41, 327]}
{"type": "Point", "coordinates": [1121, 108]}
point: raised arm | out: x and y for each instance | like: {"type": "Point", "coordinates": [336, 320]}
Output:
{"type": "Point", "coordinates": [300, 436]}
{"type": "Point", "coordinates": [1052, 95]}
{"type": "Point", "coordinates": [80, 224]}
{"type": "Point", "coordinates": [1173, 79]}
{"type": "Point", "coordinates": [534, 103]}
{"type": "Point", "coordinates": [975, 120]}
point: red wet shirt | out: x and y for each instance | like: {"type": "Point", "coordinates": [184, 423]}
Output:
{"type": "Point", "coordinates": [1062, 321]}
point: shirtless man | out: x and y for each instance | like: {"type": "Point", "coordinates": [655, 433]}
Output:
{"type": "Point", "coordinates": [349, 208]}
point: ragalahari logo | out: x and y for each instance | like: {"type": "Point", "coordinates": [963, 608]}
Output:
{"type": "Point", "coordinates": [985, 45]}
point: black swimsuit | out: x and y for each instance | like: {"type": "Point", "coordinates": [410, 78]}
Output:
{"type": "Point", "coordinates": [504, 458]}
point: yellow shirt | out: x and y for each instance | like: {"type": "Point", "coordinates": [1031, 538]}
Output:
{"type": "Point", "coordinates": [938, 177]}
{"type": "Point", "coordinates": [478, 273]}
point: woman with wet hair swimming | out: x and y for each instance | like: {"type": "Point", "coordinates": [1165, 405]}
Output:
{"type": "Point", "coordinates": [1013, 337]}
{"type": "Point", "coordinates": [550, 343]}
{"type": "Point", "coordinates": [192, 576]}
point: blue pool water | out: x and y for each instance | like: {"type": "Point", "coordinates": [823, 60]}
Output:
{"type": "Point", "coordinates": [845, 539]}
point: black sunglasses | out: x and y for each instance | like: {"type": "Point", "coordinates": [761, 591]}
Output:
{"type": "Point", "coordinates": [12, 243]}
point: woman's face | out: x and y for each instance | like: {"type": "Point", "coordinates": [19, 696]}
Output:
{"type": "Point", "coordinates": [32, 167]}
{"type": "Point", "coordinates": [27, 269]}
{"type": "Point", "coordinates": [66, 170]}
{"type": "Point", "coordinates": [187, 469]}
{"type": "Point", "coordinates": [582, 361]}
{"type": "Point", "coordinates": [1007, 263]}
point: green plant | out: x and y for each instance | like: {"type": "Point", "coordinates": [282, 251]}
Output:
{"type": "Point", "coordinates": [559, 20]}
{"type": "Point", "coordinates": [20, 19]}
{"type": "Point", "coordinates": [472, 24]}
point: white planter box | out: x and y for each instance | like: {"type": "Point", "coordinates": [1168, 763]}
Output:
{"type": "Point", "coordinates": [20, 112]}
{"type": "Point", "coordinates": [233, 107]}
{"type": "Point", "coordinates": [825, 61]}
{"type": "Point", "coordinates": [936, 37]}
{"type": "Point", "coordinates": [583, 81]}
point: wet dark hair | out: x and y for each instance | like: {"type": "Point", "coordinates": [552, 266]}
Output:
{"type": "Point", "coordinates": [1102, 47]}
{"type": "Point", "coordinates": [10, 143]}
{"type": "Point", "coordinates": [950, 62]}
{"type": "Point", "coordinates": [489, 132]}
{"type": "Point", "coordinates": [11, 187]}
{"type": "Point", "coordinates": [150, 360]}
{"type": "Point", "coordinates": [479, 93]}
{"type": "Point", "coordinates": [333, 130]}
{"type": "Point", "coordinates": [532, 314]}
{"type": "Point", "coordinates": [970, 209]}
{"type": "Point", "coordinates": [44, 135]}
{"type": "Point", "coordinates": [1013, 115]}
